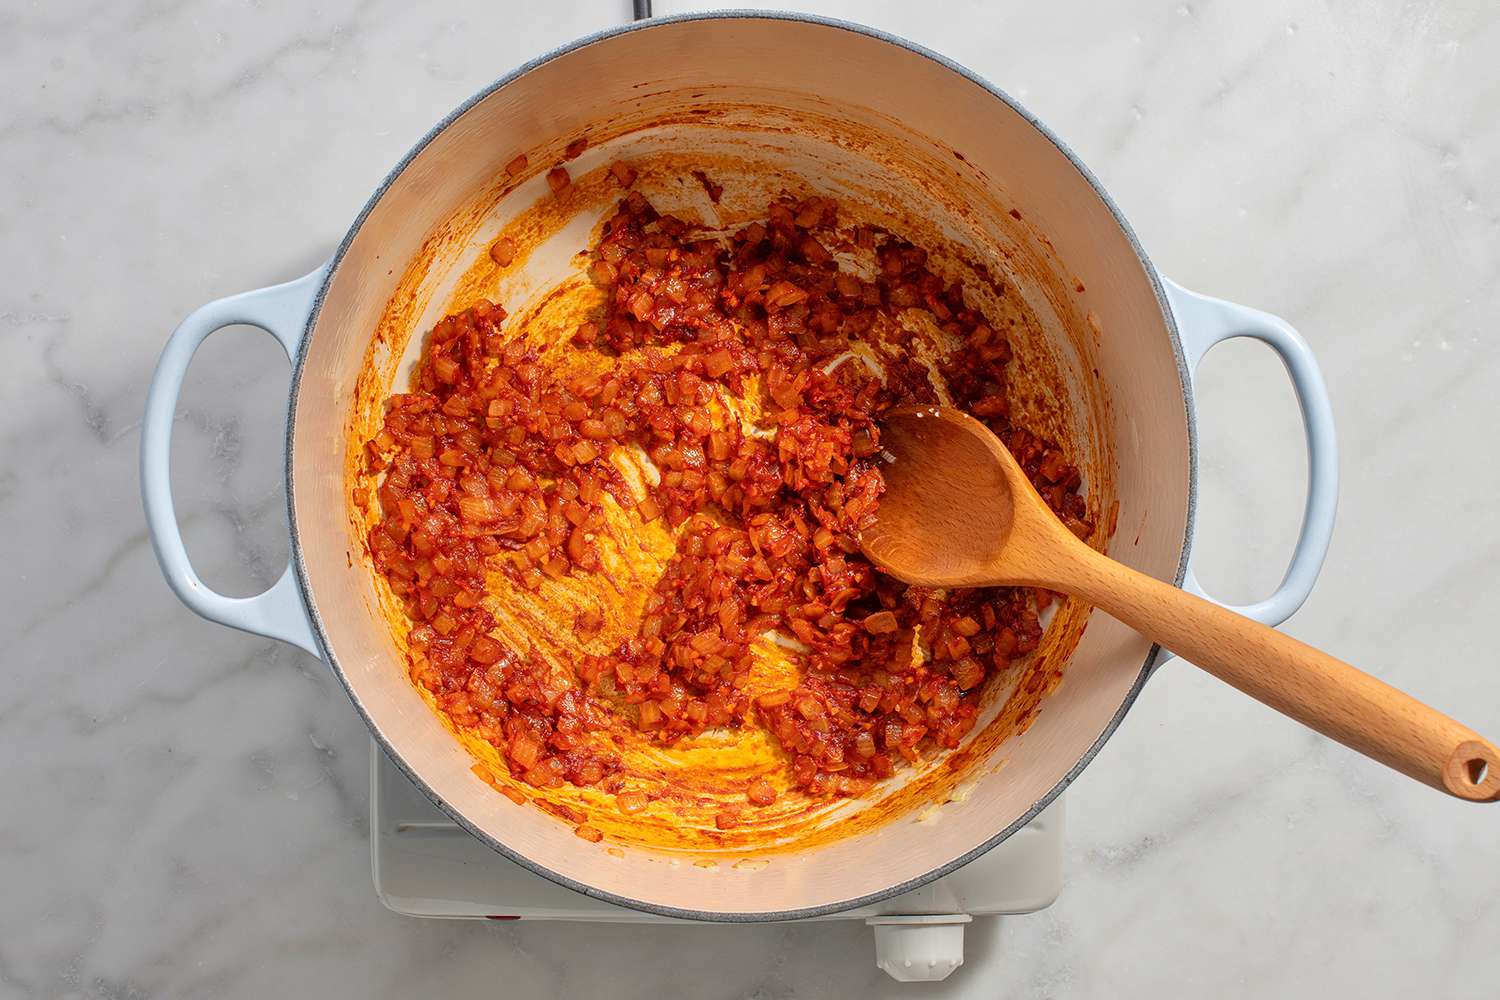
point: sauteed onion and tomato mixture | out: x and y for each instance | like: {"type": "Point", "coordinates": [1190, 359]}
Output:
{"type": "Point", "coordinates": [734, 396]}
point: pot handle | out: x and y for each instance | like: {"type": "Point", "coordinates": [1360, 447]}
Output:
{"type": "Point", "coordinates": [1203, 322]}
{"type": "Point", "coordinates": [283, 312]}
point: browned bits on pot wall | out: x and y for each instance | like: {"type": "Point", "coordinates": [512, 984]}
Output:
{"type": "Point", "coordinates": [503, 251]}
{"type": "Point", "coordinates": [715, 191]}
{"type": "Point", "coordinates": [761, 792]}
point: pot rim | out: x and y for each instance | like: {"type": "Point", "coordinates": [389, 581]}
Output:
{"type": "Point", "coordinates": [315, 618]}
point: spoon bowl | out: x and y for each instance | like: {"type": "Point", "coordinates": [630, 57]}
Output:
{"type": "Point", "coordinates": [933, 531]}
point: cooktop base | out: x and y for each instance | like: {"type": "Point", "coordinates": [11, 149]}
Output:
{"type": "Point", "coordinates": [425, 865]}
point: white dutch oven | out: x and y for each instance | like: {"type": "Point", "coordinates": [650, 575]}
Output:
{"type": "Point", "coordinates": [907, 106]}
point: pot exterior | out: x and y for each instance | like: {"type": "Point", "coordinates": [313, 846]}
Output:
{"type": "Point", "coordinates": [1003, 185]}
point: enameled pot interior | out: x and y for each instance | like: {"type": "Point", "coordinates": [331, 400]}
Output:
{"type": "Point", "coordinates": [853, 111]}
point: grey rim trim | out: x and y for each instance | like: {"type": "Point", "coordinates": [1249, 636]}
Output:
{"type": "Point", "coordinates": [643, 905]}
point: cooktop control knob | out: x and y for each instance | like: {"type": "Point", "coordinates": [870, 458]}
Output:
{"type": "Point", "coordinates": [919, 948]}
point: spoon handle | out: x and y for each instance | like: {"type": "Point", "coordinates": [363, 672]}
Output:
{"type": "Point", "coordinates": [1306, 684]}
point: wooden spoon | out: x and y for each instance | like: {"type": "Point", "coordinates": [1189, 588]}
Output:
{"type": "Point", "coordinates": [958, 511]}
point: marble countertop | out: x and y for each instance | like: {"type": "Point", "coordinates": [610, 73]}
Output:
{"type": "Point", "coordinates": [185, 808]}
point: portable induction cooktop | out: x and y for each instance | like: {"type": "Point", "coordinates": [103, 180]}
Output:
{"type": "Point", "coordinates": [425, 865]}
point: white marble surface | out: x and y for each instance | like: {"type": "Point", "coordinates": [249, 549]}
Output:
{"type": "Point", "coordinates": [184, 808]}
